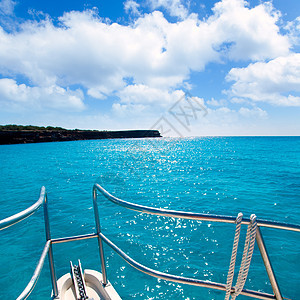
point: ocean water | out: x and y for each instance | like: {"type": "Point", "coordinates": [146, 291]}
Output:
{"type": "Point", "coordinates": [220, 175]}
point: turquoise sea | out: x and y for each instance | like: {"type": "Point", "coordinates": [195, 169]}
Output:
{"type": "Point", "coordinates": [220, 175]}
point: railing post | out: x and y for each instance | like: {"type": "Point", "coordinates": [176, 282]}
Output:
{"type": "Point", "coordinates": [50, 253]}
{"type": "Point", "coordinates": [96, 213]}
{"type": "Point", "coordinates": [267, 262]}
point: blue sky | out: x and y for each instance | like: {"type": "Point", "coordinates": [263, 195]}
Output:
{"type": "Point", "coordinates": [188, 68]}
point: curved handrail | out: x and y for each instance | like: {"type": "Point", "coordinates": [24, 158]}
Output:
{"type": "Point", "coordinates": [30, 286]}
{"type": "Point", "coordinates": [143, 209]}
{"type": "Point", "coordinates": [191, 215]}
{"type": "Point", "coordinates": [180, 279]}
{"type": "Point", "coordinates": [12, 220]}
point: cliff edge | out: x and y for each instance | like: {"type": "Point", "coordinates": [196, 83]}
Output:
{"type": "Point", "coordinates": [23, 135]}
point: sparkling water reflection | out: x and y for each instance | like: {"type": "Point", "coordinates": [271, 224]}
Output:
{"type": "Point", "coordinates": [211, 175]}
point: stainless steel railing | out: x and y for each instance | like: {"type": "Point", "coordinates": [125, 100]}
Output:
{"type": "Point", "coordinates": [12, 220]}
{"type": "Point", "coordinates": [149, 210]}
{"type": "Point", "coordinates": [30, 286]}
{"type": "Point", "coordinates": [190, 215]}
{"type": "Point", "coordinates": [7, 222]}
{"type": "Point", "coordinates": [194, 216]}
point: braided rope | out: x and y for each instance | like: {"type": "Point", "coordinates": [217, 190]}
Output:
{"type": "Point", "coordinates": [251, 248]}
{"type": "Point", "coordinates": [242, 266]}
{"type": "Point", "coordinates": [247, 256]}
{"type": "Point", "coordinates": [233, 255]}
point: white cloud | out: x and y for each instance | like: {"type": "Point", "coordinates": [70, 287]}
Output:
{"type": "Point", "coordinates": [144, 105]}
{"type": "Point", "coordinates": [96, 93]}
{"type": "Point", "coordinates": [293, 29]}
{"type": "Point", "coordinates": [7, 7]}
{"type": "Point", "coordinates": [214, 102]}
{"type": "Point", "coordinates": [21, 96]}
{"type": "Point", "coordinates": [130, 112]}
{"type": "Point", "coordinates": [156, 54]}
{"type": "Point", "coordinates": [276, 82]}
{"type": "Point", "coordinates": [254, 112]}
{"type": "Point", "coordinates": [247, 33]}
{"type": "Point", "coordinates": [85, 50]}
{"type": "Point", "coordinates": [140, 104]}
{"type": "Point", "coordinates": [226, 121]}
{"type": "Point", "coordinates": [142, 94]}
{"type": "Point", "coordinates": [131, 6]}
{"type": "Point", "coordinates": [175, 7]}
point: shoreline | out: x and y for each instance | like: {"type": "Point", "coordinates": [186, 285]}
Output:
{"type": "Point", "coordinates": [9, 137]}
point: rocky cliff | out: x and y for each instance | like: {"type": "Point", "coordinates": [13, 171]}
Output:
{"type": "Point", "coordinates": [39, 136]}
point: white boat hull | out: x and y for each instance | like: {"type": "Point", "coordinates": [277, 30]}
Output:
{"type": "Point", "coordinates": [94, 287]}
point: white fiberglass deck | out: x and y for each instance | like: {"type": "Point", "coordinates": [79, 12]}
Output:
{"type": "Point", "coordinates": [94, 287]}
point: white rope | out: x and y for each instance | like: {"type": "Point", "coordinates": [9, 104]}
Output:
{"type": "Point", "coordinates": [233, 255]}
{"type": "Point", "coordinates": [246, 259]}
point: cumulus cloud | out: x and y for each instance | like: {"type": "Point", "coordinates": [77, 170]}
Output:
{"type": "Point", "coordinates": [131, 6]}
{"type": "Point", "coordinates": [253, 112]}
{"type": "Point", "coordinates": [214, 102]}
{"type": "Point", "coordinates": [142, 94]}
{"type": "Point", "coordinates": [145, 104]}
{"type": "Point", "coordinates": [293, 29]}
{"type": "Point", "coordinates": [175, 7]}
{"type": "Point", "coordinates": [157, 55]}
{"type": "Point", "coordinates": [276, 82]}
{"type": "Point", "coordinates": [247, 33]}
{"type": "Point", "coordinates": [85, 50]}
{"type": "Point", "coordinates": [23, 96]}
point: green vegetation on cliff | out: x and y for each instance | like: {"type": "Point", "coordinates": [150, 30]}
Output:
{"type": "Point", "coordinates": [29, 127]}
{"type": "Point", "coordinates": [18, 134]}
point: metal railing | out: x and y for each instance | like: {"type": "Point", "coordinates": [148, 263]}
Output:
{"type": "Point", "coordinates": [201, 217]}
{"type": "Point", "coordinates": [148, 210]}
{"type": "Point", "coordinates": [7, 222]}
{"type": "Point", "coordinates": [12, 220]}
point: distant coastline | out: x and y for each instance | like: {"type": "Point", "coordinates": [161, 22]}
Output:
{"type": "Point", "coordinates": [17, 134]}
